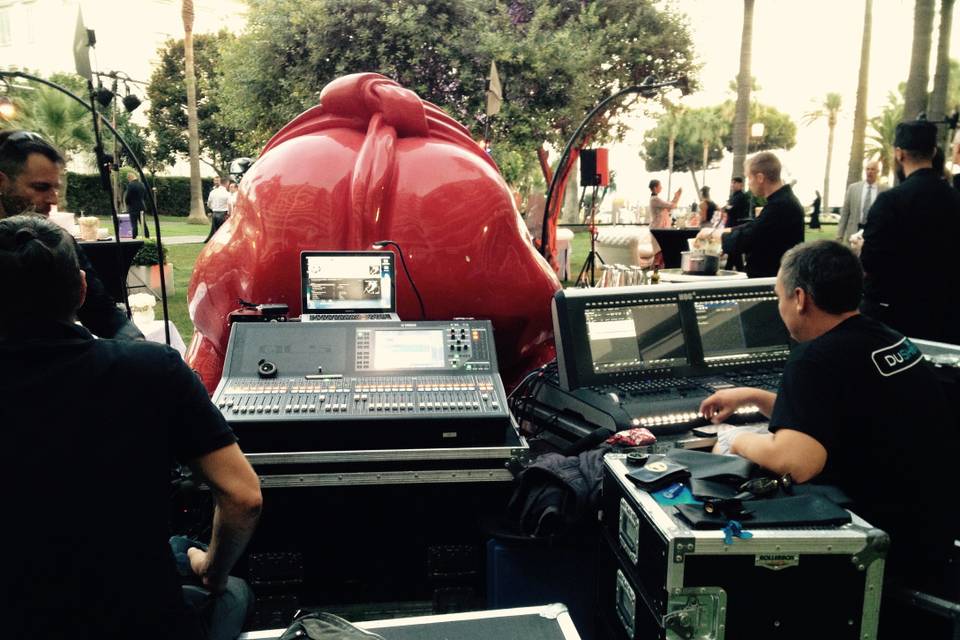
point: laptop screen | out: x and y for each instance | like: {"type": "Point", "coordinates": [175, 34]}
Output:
{"type": "Point", "coordinates": [343, 282]}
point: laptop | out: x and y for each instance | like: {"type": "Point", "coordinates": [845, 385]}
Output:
{"type": "Point", "coordinates": [338, 286]}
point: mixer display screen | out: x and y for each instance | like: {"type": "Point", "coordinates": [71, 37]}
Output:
{"type": "Point", "coordinates": [406, 349]}
{"type": "Point", "coordinates": [735, 329]}
{"type": "Point", "coordinates": [635, 338]}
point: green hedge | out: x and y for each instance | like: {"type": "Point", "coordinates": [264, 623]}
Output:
{"type": "Point", "coordinates": [173, 194]}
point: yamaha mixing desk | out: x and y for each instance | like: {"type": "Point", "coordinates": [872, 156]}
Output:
{"type": "Point", "coordinates": [648, 356]}
{"type": "Point", "coordinates": [334, 386]}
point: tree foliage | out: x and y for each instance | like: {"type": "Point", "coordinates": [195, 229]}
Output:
{"type": "Point", "coordinates": [556, 58]}
{"type": "Point", "coordinates": [780, 132]}
{"type": "Point", "coordinates": [168, 104]}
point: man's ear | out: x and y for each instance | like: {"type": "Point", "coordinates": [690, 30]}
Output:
{"type": "Point", "coordinates": [802, 299]}
{"type": "Point", "coordinates": [83, 288]}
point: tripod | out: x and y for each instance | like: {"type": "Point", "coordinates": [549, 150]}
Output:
{"type": "Point", "coordinates": [591, 262]}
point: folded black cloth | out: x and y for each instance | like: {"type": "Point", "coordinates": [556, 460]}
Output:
{"type": "Point", "coordinates": [658, 472]}
{"type": "Point", "coordinates": [711, 466]}
{"type": "Point", "coordinates": [793, 511]}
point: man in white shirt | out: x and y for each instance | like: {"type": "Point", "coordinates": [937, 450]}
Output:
{"type": "Point", "coordinates": [219, 204]}
{"type": "Point", "coordinates": [856, 204]}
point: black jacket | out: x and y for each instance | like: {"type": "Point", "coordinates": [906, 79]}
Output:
{"type": "Point", "coordinates": [909, 257]}
{"type": "Point", "coordinates": [134, 196]}
{"type": "Point", "coordinates": [738, 208]}
{"type": "Point", "coordinates": [765, 240]}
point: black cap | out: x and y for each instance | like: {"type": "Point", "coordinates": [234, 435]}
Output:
{"type": "Point", "coordinates": [918, 135]}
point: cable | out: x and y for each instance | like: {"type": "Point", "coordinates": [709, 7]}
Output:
{"type": "Point", "coordinates": [380, 244]}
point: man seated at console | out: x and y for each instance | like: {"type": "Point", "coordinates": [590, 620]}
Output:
{"type": "Point", "coordinates": [858, 408]}
{"type": "Point", "coordinates": [90, 467]}
{"type": "Point", "coordinates": [30, 169]}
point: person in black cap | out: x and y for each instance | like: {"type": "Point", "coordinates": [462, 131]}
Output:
{"type": "Point", "coordinates": [909, 242]}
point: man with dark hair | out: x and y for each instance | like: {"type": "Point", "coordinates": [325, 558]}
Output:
{"type": "Point", "coordinates": [95, 561]}
{"type": "Point", "coordinates": [738, 204]}
{"type": "Point", "coordinates": [30, 171]}
{"type": "Point", "coordinates": [779, 226]}
{"type": "Point", "coordinates": [858, 408]}
{"type": "Point", "coordinates": [909, 244]}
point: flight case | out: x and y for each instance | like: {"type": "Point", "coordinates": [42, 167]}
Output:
{"type": "Point", "coordinates": [661, 579]}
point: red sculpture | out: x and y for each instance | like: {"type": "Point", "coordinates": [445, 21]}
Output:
{"type": "Point", "coordinates": [374, 162]}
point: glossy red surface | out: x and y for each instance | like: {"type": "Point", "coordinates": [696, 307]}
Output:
{"type": "Point", "coordinates": [375, 162]}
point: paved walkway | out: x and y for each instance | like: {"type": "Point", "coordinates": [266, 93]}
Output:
{"type": "Point", "coordinates": [169, 240]}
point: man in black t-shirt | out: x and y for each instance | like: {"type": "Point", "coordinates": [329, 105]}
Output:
{"type": "Point", "coordinates": [858, 408]}
{"type": "Point", "coordinates": [92, 467]}
{"type": "Point", "coordinates": [134, 198]}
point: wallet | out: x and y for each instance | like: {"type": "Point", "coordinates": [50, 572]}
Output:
{"type": "Point", "coordinates": [659, 472]}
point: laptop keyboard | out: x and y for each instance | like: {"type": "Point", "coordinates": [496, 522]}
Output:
{"type": "Point", "coordinates": [349, 316]}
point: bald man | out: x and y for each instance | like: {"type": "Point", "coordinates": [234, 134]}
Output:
{"type": "Point", "coordinates": [858, 202]}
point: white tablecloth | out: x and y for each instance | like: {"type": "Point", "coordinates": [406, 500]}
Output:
{"type": "Point", "coordinates": [153, 331]}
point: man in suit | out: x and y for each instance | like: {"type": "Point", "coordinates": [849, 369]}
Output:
{"type": "Point", "coordinates": [858, 202]}
{"type": "Point", "coordinates": [778, 227]}
{"type": "Point", "coordinates": [134, 198]}
{"type": "Point", "coordinates": [909, 244]}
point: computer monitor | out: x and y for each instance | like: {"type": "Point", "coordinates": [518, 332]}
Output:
{"type": "Point", "coordinates": [735, 329]}
{"type": "Point", "coordinates": [347, 282]}
{"type": "Point", "coordinates": [635, 338]}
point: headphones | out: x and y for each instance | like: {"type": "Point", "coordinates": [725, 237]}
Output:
{"type": "Point", "coordinates": [266, 369]}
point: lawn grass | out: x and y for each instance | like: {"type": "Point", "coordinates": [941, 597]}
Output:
{"type": "Point", "coordinates": [170, 226]}
{"type": "Point", "coordinates": [183, 257]}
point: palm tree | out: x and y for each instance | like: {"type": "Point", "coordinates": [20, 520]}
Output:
{"type": "Point", "coordinates": [741, 129]}
{"type": "Point", "coordinates": [673, 116]}
{"type": "Point", "coordinates": [829, 110]}
{"type": "Point", "coordinates": [709, 128]}
{"type": "Point", "coordinates": [915, 99]}
{"type": "Point", "coordinates": [197, 214]}
{"type": "Point", "coordinates": [855, 167]}
{"type": "Point", "coordinates": [64, 122]}
{"type": "Point", "coordinates": [941, 78]}
{"type": "Point", "coordinates": [882, 130]}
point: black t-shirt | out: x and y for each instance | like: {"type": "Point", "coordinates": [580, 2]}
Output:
{"type": "Point", "coordinates": [864, 392]}
{"type": "Point", "coordinates": [90, 429]}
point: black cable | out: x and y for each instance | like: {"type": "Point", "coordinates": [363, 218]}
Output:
{"type": "Point", "coordinates": [381, 244]}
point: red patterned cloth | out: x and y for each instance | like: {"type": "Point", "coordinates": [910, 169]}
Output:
{"type": "Point", "coordinates": [637, 437]}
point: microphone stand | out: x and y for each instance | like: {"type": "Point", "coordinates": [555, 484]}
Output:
{"type": "Point", "coordinates": [104, 165]}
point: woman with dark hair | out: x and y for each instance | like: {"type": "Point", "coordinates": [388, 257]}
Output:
{"type": "Point", "coordinates": [707, 207]}
{"type": "Point", "coordinates": [815, 214]}
{"type": "Point", "coordinates": [660, 208]}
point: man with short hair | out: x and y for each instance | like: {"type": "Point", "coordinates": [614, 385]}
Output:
{"type": "Point", "coordinates": [134, 198]}
{"type": "Point", "coordinates": [858, 408]}
{"type": "Point", "coordinates": [738, 204]}
{"type": "Point", "coordinates": [778, 227]}
{"type": "Point", "coordinates": [910, 244]}
{"type": "Point", "coordinates": [219, 203]}
{"type": "Point", "coordinates": [857, 203]}
{"type": "Point", "coordinates": [94, 560]}
{"type": "Point", "coordinates": [30, 171]}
